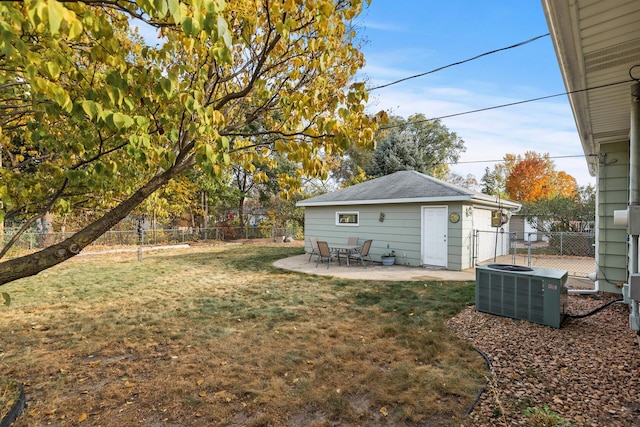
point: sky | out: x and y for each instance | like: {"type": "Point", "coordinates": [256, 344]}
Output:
{"type": "Point", "coordinates": [401, 38]}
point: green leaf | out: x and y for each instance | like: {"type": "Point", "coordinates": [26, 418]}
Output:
{"type": "Point", "coordinates": [167, 86]}
{"type": "Point", "coordinates": [122, 121]}
{"type": "Point", "coordinates": [142, 122]}
{"type": "Point", "coordinates": [129, 103]}
{"type": "Point", "coordinates": [90, 108]}
{"type": "Point", "coordinates": [189, 26]}
{"type": "Point", "coordinates": [174, 9]}
{"type": "Point", "coordinates": [56, 13]}
{"type": "Point", "coordinates": [75, 29]}
{"type": "Point", "coordinates": [64, 205]}
{"type": "Point", "coordinates": [115, 95]}
{"type": "Point", "coordinates": [62, 98]}
{"type": "Point", "coordinates": [221, 54]}
{"type": "Point", "coordinates": [223, 31]}
{"type": "Point", "coordinates": [7, 298]}
{"type": "Point", "coordinates": [53, 70]}
{"type": "Point", "coordinates": [161, 7]}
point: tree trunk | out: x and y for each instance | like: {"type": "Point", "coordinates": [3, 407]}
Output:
{"type": "Point", "coordinates": [32, 264]}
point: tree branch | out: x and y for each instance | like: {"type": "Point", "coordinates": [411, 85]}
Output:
{"type": "Point", "coordinates": [32, 264]}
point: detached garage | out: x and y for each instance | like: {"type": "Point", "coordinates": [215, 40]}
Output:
{"type": "Point", "coordinates": [425, 221]}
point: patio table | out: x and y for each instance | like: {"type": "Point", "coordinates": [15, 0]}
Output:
{"type": "Point", "coordinates": [344, 247]}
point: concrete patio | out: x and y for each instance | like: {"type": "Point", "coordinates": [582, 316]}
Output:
{"type": "Point", "coordinates": [376, 271]}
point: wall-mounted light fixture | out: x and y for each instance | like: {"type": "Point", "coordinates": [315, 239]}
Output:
{"type": "Point", "coordinates": [381, 219]}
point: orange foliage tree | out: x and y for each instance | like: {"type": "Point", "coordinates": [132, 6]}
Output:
{"type": "Point", "coordinates": [535, 177]}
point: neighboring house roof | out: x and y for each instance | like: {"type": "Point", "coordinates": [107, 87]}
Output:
{"type": "Point", "coordinates": [404, 187]}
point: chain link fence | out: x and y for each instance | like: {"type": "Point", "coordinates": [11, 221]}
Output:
{"type": "Point", "coordinates": [571, 251]}
{"type": "Point", "coordinates": [35, 241]}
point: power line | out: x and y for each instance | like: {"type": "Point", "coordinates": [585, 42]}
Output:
{"type": "Point", "coordinates": [502, 160]}
{"type": "Point", "coordinates": [458, 63]}
{"type": "Point", "coordinates": [495, 107]}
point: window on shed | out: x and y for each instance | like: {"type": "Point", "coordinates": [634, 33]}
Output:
{"type": "Point", "coordinates": [347, 218]}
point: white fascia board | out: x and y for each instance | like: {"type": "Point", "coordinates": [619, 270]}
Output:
{"type": "Point", "coordinates": [386, 201]}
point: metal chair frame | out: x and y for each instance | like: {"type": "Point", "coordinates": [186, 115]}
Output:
{"type": "Point", "coordinates": [324, 252]}
{"type": "Point", "coordinates": [363, 252]}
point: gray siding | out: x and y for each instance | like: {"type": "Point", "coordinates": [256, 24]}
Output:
{"type": "Point", "coordinates": [456, 240]}
{"type": "Point", "coordinates": [613, 194]}
{"type": "Point", "coordinates": [516, 225]}
{"type": "Point", "coordinates": [400, 231]}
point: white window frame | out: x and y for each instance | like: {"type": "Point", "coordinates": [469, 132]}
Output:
{"type": "Point", "coordinates": [348, 224]}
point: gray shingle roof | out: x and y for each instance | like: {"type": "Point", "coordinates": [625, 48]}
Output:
{"type": "Point", "coordinates": [399, 187]}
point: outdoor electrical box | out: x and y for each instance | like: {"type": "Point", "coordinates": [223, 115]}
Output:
{"type": "Point", "coordinates": [538, 295]}
{"type": "Point", "coordinates": [496, 218]}
{"type": "Point", "coordinates": [499, 218]}
{"type": "Point", "coordinates": [629, 218]}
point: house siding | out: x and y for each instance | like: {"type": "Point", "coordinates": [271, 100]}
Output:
{"type": "Point", "coordinates": [393, 213]}
{"type": "Point", "coordinates": [489, 245]}
{"type": "Point", "coordinates": [455, 245]}
{"type": "Point", "coordinates": [612, 194]}
{"type": "Point", "coordinates": [401, 230]}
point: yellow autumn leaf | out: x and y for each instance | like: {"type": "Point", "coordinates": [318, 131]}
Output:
{"type": "Point", "coordinates": [202, 394]}
{"type": "Point", "coordinates": [384, 411]}
{"type": "Point", "coordinates": [200, 382]}
{"type": "Point", "coordinates": [83, 417]}
{"type": "Point", "coordinates": [129, 384]}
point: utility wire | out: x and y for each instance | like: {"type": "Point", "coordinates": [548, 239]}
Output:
{"type": "Point", "coordinates": [502, 160]}
{"type": "Point", "coordinates": [458, 63]}
{"type": "Point", "coordinates": [495, 107]}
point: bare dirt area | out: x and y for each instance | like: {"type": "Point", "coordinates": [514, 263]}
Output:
{"type": "Point", "coordinates": [586, 373]}
{"type": "Point", "coordinates": [268, 242]}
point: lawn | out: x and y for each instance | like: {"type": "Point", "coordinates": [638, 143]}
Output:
{"type": "Point", "coordinates": [217, 336]}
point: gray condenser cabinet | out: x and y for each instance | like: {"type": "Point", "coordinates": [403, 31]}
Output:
{"type": "Point", "coordinates": [538, 295]}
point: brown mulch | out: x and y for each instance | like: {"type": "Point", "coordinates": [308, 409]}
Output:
{"type": "Point", "coordinates": [587, 372]}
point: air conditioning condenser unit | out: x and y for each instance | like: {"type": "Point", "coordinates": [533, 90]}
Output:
{"type": "Point", "coordinates": [538, 295]}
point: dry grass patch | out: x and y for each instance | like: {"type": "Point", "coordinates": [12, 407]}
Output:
{"type": "Point", "coordinates": [217, 336]}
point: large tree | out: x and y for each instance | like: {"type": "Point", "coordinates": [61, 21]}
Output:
{"type": "Point", "coordinates": [494, 180]}
{"type": "Point", "coordinates": [416, 143]}
{"type": "Point", "coordinates": [574, 213]}
{"type": "Point", "coordinates": [535, 178]}
{"type": "Point", "coordinates": [92, 116]}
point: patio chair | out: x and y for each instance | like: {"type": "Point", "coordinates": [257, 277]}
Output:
{"type": "Point", "coordinates": [352, 240]}
{"type": "Point", "coordinates": [363, 252]}
{"type": "Point", "coordinates": [324, 252]}
{"type": "Point", "coordinates": [314, 247]}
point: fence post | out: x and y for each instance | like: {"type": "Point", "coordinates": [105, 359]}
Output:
{"type": "Point", "coordinates": [561, 242]}
{"type": "Point", "coordinates": [474, 258]}
{"type": "Point", "coordinates": [140, 239]}
{"type": "Point", "coordinates": [529, 250]}
{"type": "Point", "coordinates": [513, 237]}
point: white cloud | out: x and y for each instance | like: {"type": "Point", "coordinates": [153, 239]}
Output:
{"type": "Point", "coordinates": [543, 126]}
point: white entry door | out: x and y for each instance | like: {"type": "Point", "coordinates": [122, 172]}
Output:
{"type": "Point", "coordinates": [434, 236]}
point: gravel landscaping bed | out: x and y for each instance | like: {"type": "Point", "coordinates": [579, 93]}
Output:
{"type": "Point", "coordinates": [586, 373]}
